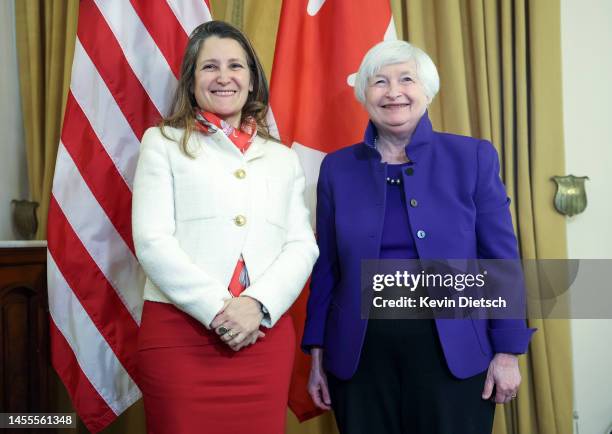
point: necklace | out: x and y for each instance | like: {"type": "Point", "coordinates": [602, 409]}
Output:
{"type": "Point", "coordinates": [390, 180]}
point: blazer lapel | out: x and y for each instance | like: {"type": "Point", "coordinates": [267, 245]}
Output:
{"type": "Point", "coordinates": [256, 150]}
{"type": "Point", "coordinates": [228, 151]}
{"type": "Point", "coordinates": [374, 199]}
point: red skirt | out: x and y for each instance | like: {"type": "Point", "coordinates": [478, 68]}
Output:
{"type": "Point", "coordinates": [192, 382]}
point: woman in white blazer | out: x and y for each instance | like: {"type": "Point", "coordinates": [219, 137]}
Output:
{"type": "Point", "coordinates": [223, 235]}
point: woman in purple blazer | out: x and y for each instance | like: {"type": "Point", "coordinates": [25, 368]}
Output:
{"type": "Point", "coordinates": [408, 192]}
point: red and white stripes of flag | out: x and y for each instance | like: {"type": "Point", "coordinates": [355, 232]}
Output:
{"type": "Point", "coordinates": [125, 69]}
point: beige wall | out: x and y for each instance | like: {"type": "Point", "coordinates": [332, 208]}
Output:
{"type": "Point", "coordinates": [587, 93]}
{"type": "Point", "coordinates": [13, 175]}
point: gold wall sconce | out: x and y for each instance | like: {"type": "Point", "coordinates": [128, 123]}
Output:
{"type": "Point", "coordinates": [571, 198]}
{"type": "Point", "coordinates": [25, 222]}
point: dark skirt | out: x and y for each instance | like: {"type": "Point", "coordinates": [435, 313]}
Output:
{"type": "Point", "coordinates": [193, 383]}
{"type": "Point", "coordinates": [403, 386]}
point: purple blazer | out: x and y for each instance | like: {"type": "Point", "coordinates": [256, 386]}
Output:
{"type": "Point", "coordinates": [463, 211]}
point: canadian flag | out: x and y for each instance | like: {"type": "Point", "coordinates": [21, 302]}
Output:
{"type": "Point", "coordinates": [319, 48]}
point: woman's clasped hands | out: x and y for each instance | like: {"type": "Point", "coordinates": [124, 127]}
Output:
{"type": "Point", "coordinates": [237, 324]}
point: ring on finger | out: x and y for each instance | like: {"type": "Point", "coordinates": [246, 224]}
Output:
{"type": "Point", "coordinates": [222, 330]}
{"type": "Point", "coordinates": [232, 334]}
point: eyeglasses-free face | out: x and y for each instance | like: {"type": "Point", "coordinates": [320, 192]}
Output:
{"type": "Point", "coordinates": [222, 79]}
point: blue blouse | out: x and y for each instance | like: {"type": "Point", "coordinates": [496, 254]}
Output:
{"type": "Point", "coordinates": [397, 241]}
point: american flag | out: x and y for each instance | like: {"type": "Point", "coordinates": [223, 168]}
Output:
{"type": "Point", "coordinates": [125, 69]}
{"type": "Point", "coordinates": [319, 47]}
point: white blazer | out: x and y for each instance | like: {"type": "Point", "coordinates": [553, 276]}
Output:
{"type": "Point", "coordinates": [192, 218]}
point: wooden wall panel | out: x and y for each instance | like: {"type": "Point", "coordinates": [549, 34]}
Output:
{"type": "Point", "coordinates": [24, 331]}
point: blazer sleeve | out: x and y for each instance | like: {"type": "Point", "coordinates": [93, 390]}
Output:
{"type": "Point", "coordinates": [325, 273]}
{"type": "Point", "coordinates": [279, 286]}
{"type": "Point", "coordinates": [496, 240]}
{"type": "Point", "coordinates": [165, 263]}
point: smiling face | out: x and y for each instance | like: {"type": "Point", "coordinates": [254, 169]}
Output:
{"type": "Point", "coordinates": [395, 99]}
{"type": "Point", "coordinates": [222, 78]}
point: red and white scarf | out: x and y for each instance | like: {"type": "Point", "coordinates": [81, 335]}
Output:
{"type": "Point", "coordinates": [242, 137]}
